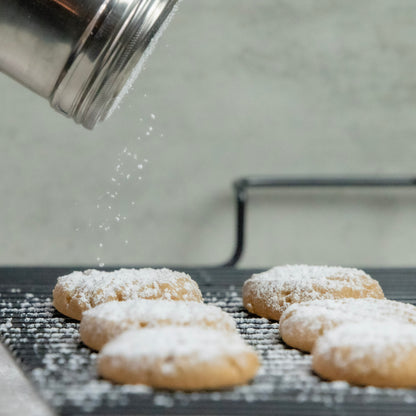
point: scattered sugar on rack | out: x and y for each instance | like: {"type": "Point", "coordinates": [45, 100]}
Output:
{"type": "Point", "coordinates": [66, 373]}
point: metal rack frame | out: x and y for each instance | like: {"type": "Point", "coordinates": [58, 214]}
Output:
{"type": "Point", "coordinates": [241, 187]}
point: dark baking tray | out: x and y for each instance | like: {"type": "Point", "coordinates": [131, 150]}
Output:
{"type": "Point", "coordinates": [47, 347]}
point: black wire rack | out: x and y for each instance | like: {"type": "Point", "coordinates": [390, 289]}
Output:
{"type": "Point", "coordinates": [47, 347]}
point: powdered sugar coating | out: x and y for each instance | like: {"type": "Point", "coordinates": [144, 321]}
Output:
{"type": "Point", "coordinates": [80, 291]}
{"type": "Point", "coordinates": [301, 324]}
{"type": "Point", "coordinates": [189, 358]}
{"type": "Point", "coordinates": [198, 344]}
{"type": "Point", "coordinates": [370, 352]}
{"type": "Point", "coordinates": [270, 293]}
{"type": "Point", "coordinates": [104, 322]}
{"type": "Point", "coordinates": [369, 337]}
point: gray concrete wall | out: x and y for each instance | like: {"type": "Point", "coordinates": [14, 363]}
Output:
{"type": "Point", "coordinates": [299, 87]}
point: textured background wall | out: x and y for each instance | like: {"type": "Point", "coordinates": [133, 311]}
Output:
{"type": "Point", "coordinates": [299, 87]}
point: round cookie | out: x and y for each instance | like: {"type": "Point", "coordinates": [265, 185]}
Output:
{"type": "Point", "coordinates": [80, 291]}
{"type": "Point", "coordinates": [104, 322]}
{"type": "Point", "coordinates": [268, 294]}
{"type": "Point", "coordinates": [301, 324]}
{"type": "Point", "coordinates": [368, 353]}
{"type": "Point", "coordinates": [178, 358]}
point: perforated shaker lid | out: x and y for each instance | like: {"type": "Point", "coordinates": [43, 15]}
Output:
{"type": "Point", "coordinates": [108, 58]}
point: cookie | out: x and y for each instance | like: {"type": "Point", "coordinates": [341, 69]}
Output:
{"type": "Point", "coordinates": [301, 324]}
{"type": "Point", "coordinates": [178, 358]}
{"type": "Point", "coordinates": [104, 322]}
{"type": "Point", "coordinates": [268, 294]}
{"type": "Point", "coordinates": [368, 353]}
{"type": "Point", "coordinates": [80, 291]}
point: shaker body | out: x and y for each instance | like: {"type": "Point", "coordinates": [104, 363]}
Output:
{"type": "Point", "coordinates": [78, 54]}
{"type": "Point", "coordinates": [38, 37]}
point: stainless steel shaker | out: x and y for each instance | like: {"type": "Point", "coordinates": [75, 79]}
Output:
{"type": "Point", "coordinates": [79, 54]}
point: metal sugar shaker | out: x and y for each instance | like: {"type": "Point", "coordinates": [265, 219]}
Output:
{"type": "Point", "coordinates": [79, 54]}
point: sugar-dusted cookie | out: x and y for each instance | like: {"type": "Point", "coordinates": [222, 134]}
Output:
{"type": "Point", "coordinates": [80, 291]}
{"type": "Point", "coordinates": [104, 322]}
{"type": "Point", "coordinates": [368, 353]}
{"type": "Point", "coordinates": [302, 323]}
{"type": "Point", "coordinates": [268, 294]}
{"type": "Point", "coordinates": [178, 358]}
